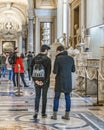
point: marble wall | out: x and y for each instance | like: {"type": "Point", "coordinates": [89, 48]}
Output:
{"type": "Point", "coordinates": [97, 40]}
{"type": "Point", "coordinates": [94, 20]}
{"type": "Point", "coordinates": [94, 12]}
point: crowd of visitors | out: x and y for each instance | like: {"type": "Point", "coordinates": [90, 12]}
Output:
{"type": "Point", "coordinates": [11, 62]}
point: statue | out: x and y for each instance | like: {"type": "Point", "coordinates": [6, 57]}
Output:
{"type": "Point", "coordinates": [77, 34]}
{"type": "Point", "coordinates": [63, 40]}
{"type": "Point", "coordinates": [70, 41]}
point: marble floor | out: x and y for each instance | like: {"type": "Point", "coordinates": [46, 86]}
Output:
{"type": "Point", "coordinates": [16, 111]}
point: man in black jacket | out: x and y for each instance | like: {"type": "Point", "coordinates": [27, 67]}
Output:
{"type": "Point", "coordinates": [63, 66]}
{"type": "Point", "coordinates": [29, 60]}
{"type": "Point", "coordinates": [42, 86]}
{"type": "Point", "coordinates": [13, 56]}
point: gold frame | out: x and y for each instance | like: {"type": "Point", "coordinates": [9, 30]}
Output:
{"type": "Point", "coordinates": [8, 46]}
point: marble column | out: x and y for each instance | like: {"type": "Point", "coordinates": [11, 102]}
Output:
{"type": "Point", "coordinates": [37, 35]}
{"type": "Point", "coordinates": [19, 42]}
{"type": "Point", "coordinates": [62, 20]}
{"type": "Point", "coordinates": [65, 21]}
{"type": "Point", "coordinates": [69, 25]}
{"type": "Point", "coordinates": [83, 19]}
{"type": "Point", "coordinates": [59, 18]}
{"type": "Point", "coordinates": [65, 16]}
{"type": "Point", "coordinates": [69, 19]}
{"type": "Point", "coordinates": [30, 35]}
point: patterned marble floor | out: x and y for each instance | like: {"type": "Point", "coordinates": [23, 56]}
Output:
{"type": "Point", "coordinates": [16, 112]}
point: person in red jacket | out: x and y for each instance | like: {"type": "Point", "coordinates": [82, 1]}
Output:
{"type": "Point", "coordinates": [19, 68]}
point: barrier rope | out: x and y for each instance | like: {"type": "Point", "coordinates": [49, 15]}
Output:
{"type": "Point", "coordinates": [101, 75]}
{"type": "Point", "coordinates": [90, 78]}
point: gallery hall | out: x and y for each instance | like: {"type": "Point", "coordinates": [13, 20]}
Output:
{"type": "Point", "coordinates": [51, 64]}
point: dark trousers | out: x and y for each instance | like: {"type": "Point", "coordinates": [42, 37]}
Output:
{"type": "Point", "coordinates": [56, 101]}
{"type": "Point", "coordinates": [13, 78]}
{"type": "Point", "coordinates": [29, 74]}
{"type": "Point", "coordinates": [22, 78]}
{"type": "Point", "coordinates": [38, 91]}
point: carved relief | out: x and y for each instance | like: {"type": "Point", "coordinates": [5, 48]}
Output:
{"type": "Point", "coordinates": [9, 26]}
{"type": "Point", "coordinates": [46, 4]}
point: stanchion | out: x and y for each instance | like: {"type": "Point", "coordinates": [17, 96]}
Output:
{"type": "Point", "coordinates": [18, 92]}
{"type": "Point", "coordinates": [97, 102]}
{"type": "Point", "coordinates": [85, 95]}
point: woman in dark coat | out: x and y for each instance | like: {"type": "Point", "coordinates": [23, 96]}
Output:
{"type": "Point", "coordinates": [63, 66]}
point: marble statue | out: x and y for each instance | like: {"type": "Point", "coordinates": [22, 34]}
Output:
{"type": "Point", "coordinates": [77, 34]}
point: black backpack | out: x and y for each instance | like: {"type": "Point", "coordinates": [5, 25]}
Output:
{"type": "Point", "coordinates": [12, 58]}
{"type": "Point", "coordinates": [38, 70]}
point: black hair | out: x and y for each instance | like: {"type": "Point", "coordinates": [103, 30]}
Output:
{"type": "Point", "coordinates": [44, 47]}
{"type": "Point", "coordinates": [60, 48]}
{"type": "Point", "coordinates": [22, 55]}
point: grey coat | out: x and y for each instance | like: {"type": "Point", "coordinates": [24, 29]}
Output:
{"type": "Point", "coordinates": [63, 66]}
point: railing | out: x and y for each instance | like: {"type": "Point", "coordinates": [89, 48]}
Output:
{"type": "Point", "coordinates": [96, 75]}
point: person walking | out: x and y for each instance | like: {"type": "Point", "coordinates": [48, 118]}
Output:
{"type": "Point", "coordinates": [63, 66]}
{"type": "Point", "coordinates": [25, 64]}
{"type": "Point", "coordinates": [41, 84]}
{"type": "Point", "coordinates": [19, 68]}
{"type": "Point", "coordinates": [12, 60]}
{"type": "Point", "coordinates": [3, 65]}
{"type": "Point", "coordinates": [9, 69]}
{"type": "Point", "coordinates": [29, 60]}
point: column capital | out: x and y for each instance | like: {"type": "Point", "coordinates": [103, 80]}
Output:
{"type": "Point", "coordinates": [70, 1]}
{"type": "Point", "coordinates": [31, 14]}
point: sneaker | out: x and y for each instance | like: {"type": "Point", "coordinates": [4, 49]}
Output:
{"type": "Point", "coordinates": [26, 86]}
{"type": "Point", "coordinates": [35, 116]}
{"type": "Point", "coordinates": [44, 115]}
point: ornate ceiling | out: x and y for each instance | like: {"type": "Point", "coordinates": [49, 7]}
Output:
{"type": "Point", "coordinates": [14, 13]}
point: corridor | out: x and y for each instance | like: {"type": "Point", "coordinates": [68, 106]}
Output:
{"type": "Point", "coordinates": [16, 112]}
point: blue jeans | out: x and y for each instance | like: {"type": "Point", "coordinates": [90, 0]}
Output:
{"type": "Point", "coordinates": [22, 78]}
{"type": "Point", "coordinates": [56, 101]}
{"type": "Point", "coordinates": [3, 71]}
{"type": "Point", "coordinates": [10, 72]}
{"type": "Point", "coordinates": [38, 91]}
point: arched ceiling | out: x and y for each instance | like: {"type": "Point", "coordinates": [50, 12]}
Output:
{"type": "Point", "coordinates": [13, 14]}
{"type": "Point", "coordinates": [21, 2]}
